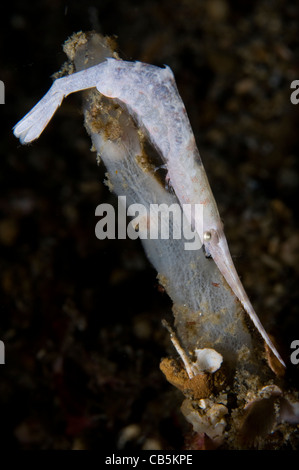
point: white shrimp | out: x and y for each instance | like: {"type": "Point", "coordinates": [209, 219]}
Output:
{"type": "Point", "coordinates": [151, 96]}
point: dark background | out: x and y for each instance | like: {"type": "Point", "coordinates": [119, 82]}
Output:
{"type": "Point", "coordinates": [81, 318]}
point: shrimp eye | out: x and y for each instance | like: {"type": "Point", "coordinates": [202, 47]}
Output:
{"type": "Point", "coordinates": [207, 236]}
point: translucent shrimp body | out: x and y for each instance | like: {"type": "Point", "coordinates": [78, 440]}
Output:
{"type": "Point", "coordinates": [150, 95]}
